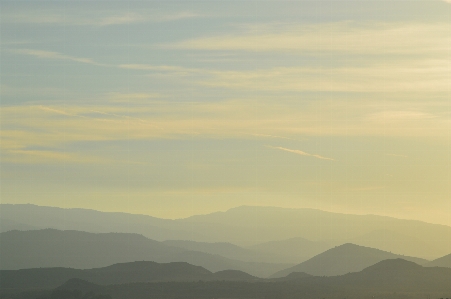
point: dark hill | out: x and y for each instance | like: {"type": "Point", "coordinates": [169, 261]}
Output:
{"type": "Point", "coordinates": [341, 260]}
{"type": "Point", "coordinates": [233, 275]}
{"type": "Point", "coordinates": [80, 285]}
{"type": "Point", "coordinates": [392, 279]}
{"type": "Point", "coordinates": [82, 250]}
{"type": "Point", "coordinates": [393, 266]}
{"type": "Point", "coordinates": [46, 278]}
{"type": "Point", "coordinates": [395, 274]}
{"type": "Point", "coordinates": [148, 271]}
{"type": "Point", "coordinates": [76, 249]}
{"type": "Point", "coordinates": [295, 276]}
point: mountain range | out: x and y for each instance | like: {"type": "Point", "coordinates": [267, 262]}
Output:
{"type": "Point", "coordinates": [444, 261]}
{"type": "Point", "coordinates": [45, 278]}
{"type": "Point", "coordinates": [394, 278]}
{"type": "Point", "coordinates": [344, 259]}
{"type": "Point", "coordinates": [83, 250]}
{"type": "Point", "coordinates": [247, 226]}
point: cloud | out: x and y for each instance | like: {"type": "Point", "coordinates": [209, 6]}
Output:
{"type": "Point", "coordinates": [400, 115]}
{"type": "Point", "coordinates": [176, 16]}
{"type": "Point", "coordinates": [138, 97]}
{"type": "Point", "coordinates": [430, 75]}
{"type": "Point", "coordinates": [47, 156]}
{"type": "Point", "coordinates": [302, 153]}
{"type": "Point", "coordinates": [27, 127]}
{"type": "Point", "coordinates": [55, 55]}
{"type": "Point", "coordinates": [127, 18]}
{"type": "Point", "coordinates": [81, 18]}
{"type": "Point", "coordinates": [272, 136]}
{"type": "Point", "coordinates": [348, 37]}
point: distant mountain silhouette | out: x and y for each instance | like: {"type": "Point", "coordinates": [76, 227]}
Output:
{"type": "Point", "coordinates": [395, 278]}
{"type": "Point", "coordinates": [278, 223]}
{"type": "Point", "coordinates": [220, 248]}
{"type": "Point", "coordinates": [82, 250]}
{"type": "Point", "coordinates": [343, 259]}
{"type": "Point", "coordinates": [42, 278]}
{"type": "Point", "coordinates": [76, 249]}
{"type": "Point", "coordinates": [41, 217]}
{"type": "Point", "coordinates": [8, 224]}
{"type": "Point", "coordinates": [294, 249]}
{"type": "Point", "coordinates": [395, 242]}
{"type": "Point", "coordinates": [244, 226]}
{"type": "Point", "coordinates": [444, 261]}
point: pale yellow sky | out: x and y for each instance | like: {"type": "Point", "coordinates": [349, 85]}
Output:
{"type": "Point", "coordinates": [175, 110]}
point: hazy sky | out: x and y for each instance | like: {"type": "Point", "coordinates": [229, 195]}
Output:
{"type": "Point", "coordinates": [175, 108]}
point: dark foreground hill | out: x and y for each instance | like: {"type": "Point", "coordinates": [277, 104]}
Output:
{"type": "Point", "coordinates": [82, 250]}
{"type": "Point", "coordinates": [387, 279]}
{"type": "Point", "coordinates": [343, 259]}
{"type": "Point", "coordinates": [47, 278]}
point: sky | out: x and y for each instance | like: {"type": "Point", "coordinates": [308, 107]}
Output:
{"type": "Point", "coordinates": [176, 108]}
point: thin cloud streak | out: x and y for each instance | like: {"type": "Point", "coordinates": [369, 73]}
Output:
{"type": "Point", "coordinates": [302, 153]}
{"type": "Point", "coordinates": [428, 75]}
{"type": "Point", "coordinates": [116, 19]}
{"type": "Point", "coordinates": [55, 55]}
{"type": "Point", "coordinates": [347, 37]}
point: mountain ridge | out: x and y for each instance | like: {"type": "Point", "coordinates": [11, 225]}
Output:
{"type": "Point", "coordinates": [77, 249]}
{"type": "Point", "coordinates": [244, 226]}
{"type": "Point", "coordinates": [343, 259]}
{"type": "Point", "coordinates": [394, 278]}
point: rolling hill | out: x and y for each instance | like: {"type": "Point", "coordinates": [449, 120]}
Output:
{"type": "Point", "coordinates": [444, 261]}
{"type": "Point", "coordinates": [293, 250]}
{"type": "Point", "coordinates": [393, 279]}
{"type": "Point", "coordinates": [220, 248]}
{"type": "Point", "coordinates": [45, 278]}
{"type": "Point", "coordinates": [83, 250]}
{"type": "Point", "coordinates": [343, 259]}
{"type": "Point", "coordinates": [395, 242]}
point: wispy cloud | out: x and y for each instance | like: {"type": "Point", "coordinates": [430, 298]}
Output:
{"type": "Point", "coordinates": [427, 75]}
{"type": "Point", "coordinates": [137, 97]}
{"type": "Point", "coordinates": [272, 136]}
{"type": "Point", "coordinates": [361, 38]}
{"type": "Point", "coordinates": [54, 55]}
{"type": "Point", "coordinates": [399, 115]}
{"type": "Point", "coordinates": [48, 156]}
{"type": "Point", "coordinates": [127, 18]}
{"type": "Point", "coordinates": [84, 19]}
{"type": "Point", "coordinates": [39, 126]}
{"type": "Point", "coordinates": [302, 153]}
{"type": "Point", "coordinates": [349, 37]}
